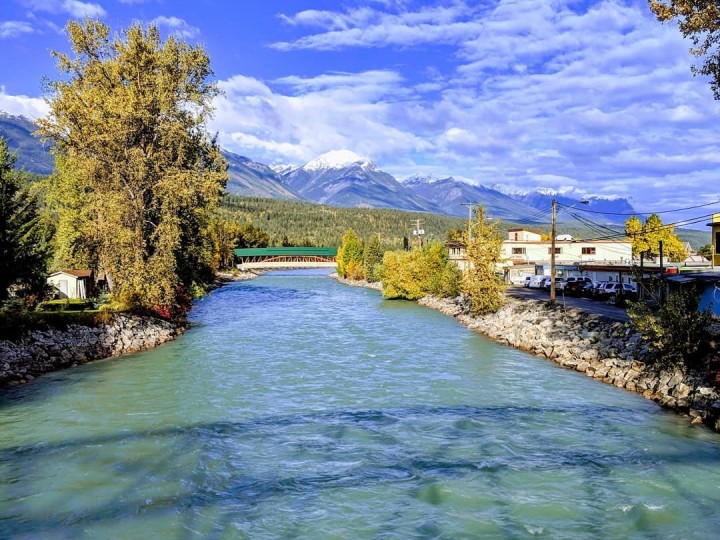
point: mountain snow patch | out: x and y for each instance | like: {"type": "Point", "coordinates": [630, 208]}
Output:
{"type": "Point", "coordinates": [338, 159]}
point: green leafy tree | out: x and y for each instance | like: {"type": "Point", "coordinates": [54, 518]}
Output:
{"type": "Point", "coordinates": [139, 177]}
{"type": "Point", "coordinates": [481, 282]}
{"type": "Point", "coordinates": [420, 272]}
{"type": "Point", "coordinates": [706, 251]}
{"type": "Point", "coordinates": [699, 20]}
{"type": "Point", "coordinates": [251, 237]}
{"type": "Point", "coordinates": [24, 247]}
{"type": "Point", "coordinates": [350, 256]}
{"type": "Point", "coordinates": [372, 259]}
{"type": "Point", "coordinates": [225, 236]}
{"type": "Point", "coordinates": [677, 333]}
{"type": "Point", "coordinates": [646, 238]}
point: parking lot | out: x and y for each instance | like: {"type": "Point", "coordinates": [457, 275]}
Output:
{"type": "Point", "coordinates": [600, 307]}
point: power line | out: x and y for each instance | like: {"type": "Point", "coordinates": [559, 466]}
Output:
{"type": "Point", "coordinates": [643, 213]}
{"type": "Point", "coordinates": [690, 221]}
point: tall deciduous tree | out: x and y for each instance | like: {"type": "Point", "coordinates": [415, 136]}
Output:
{"type": "Point", "coordinates": [23, 243]}
{"type": "Point", "coordinates": [481, 282]}
{"type": "Point", "coordinates": [699, 20]}
{"type": "Point", "coordinates": [350, 256]}
{"type": "Point", "coordinates": [138, 175]}
{"type": "Point", "coordinates": [646, 238]}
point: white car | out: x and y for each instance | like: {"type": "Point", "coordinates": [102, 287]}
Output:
{"type": "Point", "coordinates": [536, 282]}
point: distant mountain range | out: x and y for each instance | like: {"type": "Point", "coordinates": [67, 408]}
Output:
{"type": "Point", "coordinates": [343, 178]}
{"type": "Point", "coordinates": [32, 155]}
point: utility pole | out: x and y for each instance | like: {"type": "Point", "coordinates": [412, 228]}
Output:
{"type": "Point", "coordinates": [470, 209]}
{"type": "Point", "coordinates": [419, 232]}
{"type": "Point", "coordinates": [662, 274]}
{"type": "Point", "coordinates": [553, 233]}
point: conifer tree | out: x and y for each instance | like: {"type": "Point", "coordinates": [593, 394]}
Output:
{"type": "Point", "coordinates": [24, 247]}
{"type": "Point", "coordinates": [139, 177]}
{"type": "Point", "coordinates": [372, 259]}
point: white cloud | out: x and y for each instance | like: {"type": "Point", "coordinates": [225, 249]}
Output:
{"type": "Point", "coordinates": [177, 26]}
{"type": "Point", "coordinates": [368, 27]}
{"type": "Point", "coordinates": [11, 29]}
{"type": "Point", "coordinates": [339, 110]}
{"type": "Point", "coordinates": [29, 107]}
{"type": "Point", "coordinates": [75, 8]}
{"type": "Point", "coordinates": [552, 94]}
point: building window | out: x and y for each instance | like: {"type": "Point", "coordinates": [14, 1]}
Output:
{"type": "Point", "coordinates": [558, 251]}
{"type": "Point", "coordinates": [588, 251]}
{"type": "Point", "coordinates": [519, 251]}
{"type": "Point", "coordinates": [717, 243]}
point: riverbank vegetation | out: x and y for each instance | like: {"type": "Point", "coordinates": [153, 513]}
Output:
{"type": "Point", "coordinates": [422, 271]}
{"type": "Point", "coordinates": [481, 283]}
{"type": "Point", "coordinates": [24, 237]}
{"type": "Point", "coordinates": [677, 332]}
{"type": "Point", "coordinates": [137, 177]}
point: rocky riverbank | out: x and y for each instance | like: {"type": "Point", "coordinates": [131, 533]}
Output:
{"type": "Point", "coordinates": [42, 351]}
{"type": "Point", "coordinates": [608, 351]}
{"type": "Point", "coordinates": [358, 282]}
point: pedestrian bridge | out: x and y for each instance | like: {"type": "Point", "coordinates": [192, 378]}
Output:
{"type": "Point", "coordinates": [285, 257]}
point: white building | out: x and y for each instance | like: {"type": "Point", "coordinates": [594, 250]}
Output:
{"type": "Point", "coordinates": [526, 253]}
{"type": "Point", "coordinates": [71, 283]}
{"type": "Point", "coordinates": [527, 247]}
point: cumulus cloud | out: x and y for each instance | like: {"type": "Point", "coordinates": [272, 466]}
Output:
{"type": "Point", "coordinates": [75, 8]}
{"type": "Point", "coordinates": [541, 94]}
{"type": "Point", "coordinates": [298, 118]}
{"type": "Point", "coordinates": [11, 29]}
{"type": "Point", "coordinates": [29, 107]}
{"type": "Point", "coordinates": [177, 26]}
{"type": "Point", "coordinates": [371, 27]}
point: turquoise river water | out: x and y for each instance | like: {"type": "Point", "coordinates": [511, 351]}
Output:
{"type": "Point", "coordinates": [297, 407]}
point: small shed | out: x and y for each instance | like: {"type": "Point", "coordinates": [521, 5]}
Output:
{"type": "Point", "coordinates": [71, 283]}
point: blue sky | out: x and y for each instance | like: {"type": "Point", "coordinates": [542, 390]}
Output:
{"type": "Point", "coordinates": [593, 96]}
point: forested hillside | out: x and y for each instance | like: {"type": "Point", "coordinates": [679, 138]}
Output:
{"type": "Point", "coordinates": [303, 222]}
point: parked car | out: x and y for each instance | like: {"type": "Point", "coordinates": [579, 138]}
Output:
{"type": "Point", "coordinates": [575, 285]}
{"type": "Point", "coordinates": [545, 282]}
{"type": "Point", "coordinates": [536, 282]}
{"type": "Point", "coordinates": [527, 281]}
{"type": "Point", "coordinates": [597, 291]}
{"type": "Point", "coordinates": [517, 280]}
{"type": "Point", "coordinates": [559, 284]}
{"type": "Point", "coordinates": [615, 291]}
{"type": "Point", "coordinates": [586, 290]}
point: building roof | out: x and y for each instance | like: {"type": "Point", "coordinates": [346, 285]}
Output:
{"type": "Point", "coordinates": [75, 273]}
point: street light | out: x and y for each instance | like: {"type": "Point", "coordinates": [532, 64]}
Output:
{"type": "Point", "coordinates": [553, 233]}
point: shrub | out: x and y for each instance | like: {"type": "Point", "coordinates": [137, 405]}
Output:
{"type": "Point", "coordinates": [421, 272]}
{"type": "Point", "coordinates": [677, 333]}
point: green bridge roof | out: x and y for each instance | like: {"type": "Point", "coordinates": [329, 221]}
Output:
{"type": "Point", "coordinates": [287, 252]}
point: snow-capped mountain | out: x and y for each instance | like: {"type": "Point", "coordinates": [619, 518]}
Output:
{"type": "Point", "coordinates": [282, 168]}
{"type": "Point", "coordinates": [515, 205]}
{"type": "Point", "coordinates": [604, 209]}
{"type": "Point", "coordinates": [338, 159]}
{"type": "Point", "coordinates": [248, 177]}
{"type": "Point", "coordinates": [32, 154]}
{"type": "Point", "coordinates": [344, 178]}
{"type": "Point", "coordinates": [450, 193]}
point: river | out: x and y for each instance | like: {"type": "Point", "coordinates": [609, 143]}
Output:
{"type": "Point", "coordinates": [297, 407]}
